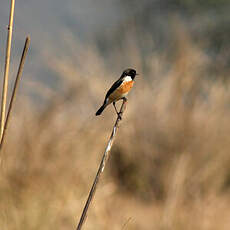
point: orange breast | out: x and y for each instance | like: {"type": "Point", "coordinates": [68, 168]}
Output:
{"type": "Point", "coordinates": [125, 87]}
{"type": "Point", "coordinates": [121, 91]}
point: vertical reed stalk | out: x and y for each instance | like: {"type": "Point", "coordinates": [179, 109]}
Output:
{"type": "Point", "coordinates": [17, 80]}
{"type": "Point", "coordinates": [6, 70]}
{"type": "Point", "coordinates": [101, 167]}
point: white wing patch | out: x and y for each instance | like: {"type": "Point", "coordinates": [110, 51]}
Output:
{"type": "Point", "coordinates": [127, 79]}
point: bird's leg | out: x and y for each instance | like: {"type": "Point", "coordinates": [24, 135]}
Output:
{"type": "Point", "coordinates": [115, 107]}
{"type": "Point", "coordinates": [118, 114]}
{"type": "Point", "coordinates": [124, 101]}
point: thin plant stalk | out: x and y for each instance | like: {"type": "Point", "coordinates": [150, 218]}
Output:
{"type": "Point", "coordinates": [101, 167]}
{"type": "Point", "coordinates": [7, 66]}
{"type": "Point", "coordinates": [17, 80]}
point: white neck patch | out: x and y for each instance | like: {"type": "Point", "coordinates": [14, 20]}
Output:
{"type": "Point", "coordinates": [127, 78]}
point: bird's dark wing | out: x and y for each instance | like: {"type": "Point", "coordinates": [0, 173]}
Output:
{"type": "Point", "coordinates": [115, 85]}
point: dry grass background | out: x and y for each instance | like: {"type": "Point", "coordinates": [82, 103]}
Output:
{"type": "Point", "coordinates": [169, 167]}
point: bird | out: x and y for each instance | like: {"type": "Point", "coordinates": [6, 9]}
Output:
{"type": "Point", "coordinates": [119, 90]}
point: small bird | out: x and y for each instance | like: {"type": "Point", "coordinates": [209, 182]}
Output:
{"type": "Point", "coordinates": [119, 90]}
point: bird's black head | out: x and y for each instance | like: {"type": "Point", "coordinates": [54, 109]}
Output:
{"type": "Point", "coordinates": [130, 72]}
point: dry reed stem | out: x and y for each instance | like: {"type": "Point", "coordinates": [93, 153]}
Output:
{"type": "Point", "coordinates": [101, 167]}
{"type": "Point", "coordinates": [7, 66]}
{"type": "Point", "coordinates": [17, 80]}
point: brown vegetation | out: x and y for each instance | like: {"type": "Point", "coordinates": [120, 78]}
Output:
{"type": "Point", "coordinates": [169, 166]}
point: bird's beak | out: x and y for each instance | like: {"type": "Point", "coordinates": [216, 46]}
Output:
{"type": "Point", "coordinates": [137, 74]}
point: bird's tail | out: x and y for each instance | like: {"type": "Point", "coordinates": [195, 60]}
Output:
{"type": "Point", "coordinates": [99, 111]}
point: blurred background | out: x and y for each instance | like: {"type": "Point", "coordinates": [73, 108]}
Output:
{"type": "Point", "coordinates": [170, 163]}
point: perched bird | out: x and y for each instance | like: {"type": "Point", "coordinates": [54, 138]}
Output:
{"type": "Point", "coordinates": [119, 90]}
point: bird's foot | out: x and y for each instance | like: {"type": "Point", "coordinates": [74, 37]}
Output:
{"type": "Point", "coordinates": [124, 99]}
